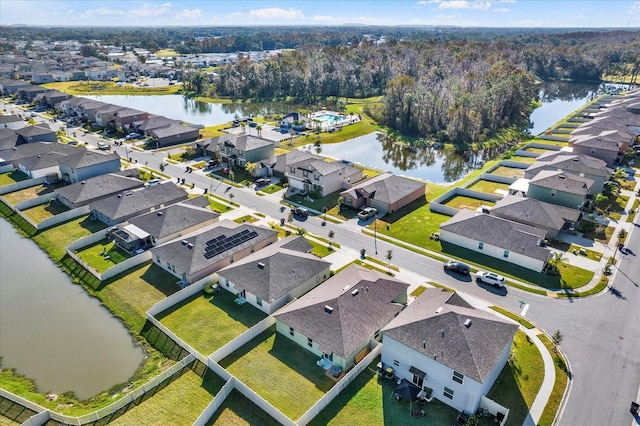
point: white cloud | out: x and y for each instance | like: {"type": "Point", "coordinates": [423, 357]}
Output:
{"type": "Point", "coordinates": [277, 13]}
{"type": "Point", "coordinates": [464, 4]}
{"type": "Point", "coordinates": [501, 10]}
{"type": "Point", "coordinates": [189, 14]}
{"type": "Point", "coordinates": [151, 9]}
{"type": "Point", "coordinates": [101, 11]}
{"type": "Point", "coordinates": [635, 8]}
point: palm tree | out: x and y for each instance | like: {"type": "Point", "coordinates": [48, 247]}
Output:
{"type": "Point", "coordinates": [244, 126]}
{"type": "Point", "coordinates": [331, 235]}
{"type": "Point", "coordinates": [302, 231]}
{"type": "Point", "coordinates": [389, 256]}
{"type": "Point", "coordinates": [259, 130]}
{"type": "Point", "coordinates": [557, 258]}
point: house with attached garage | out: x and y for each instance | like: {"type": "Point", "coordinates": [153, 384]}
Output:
{"type": "Point", "coordinates": [441, 342]}
{"type": "Point", "coordinates": [321, 176]}
{"type": "Point", "coordinates": [605, 146]}
{"type": "Point", "coordinates": [11, 121]}
{"type": "Point", "coordinates": [173, 134]}
{"type": "Point", "coordinates": [206, 251]}
{"type": "Point", "coordinates": [272, 277]}
{"type": "Point", "coordinates": [84, 192]}
{"type": "Point", "coordinates": [339, 319]}
{"type": "Point", "coordinates": [560, 188]}
{"type": "Point", "coordinates": [37, 133]}
{"type": "Point", "coordinates": [238, 150]}
{"type": "Point", "coordinates": [84, 165]}
{"type": "Point", "coordinates": [500, 238]}
{"type": "Point", "coordinates": [385, 192]}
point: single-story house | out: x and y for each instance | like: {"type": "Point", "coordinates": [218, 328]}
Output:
{"type": "Point", "coordinates": [275, 275]}
{"type": "Point", "coordinates": [93, 189]}
{"type": "Point", "coordinates": [84, 165]}
{"type": "Point", "coordinates": [23, 151]}
{"type": "Point", "coordinates": [322, 176]}
{"type": "Point", "coordinates": [11, 121]}
{"type": "Point", "coordinates": [385, 192]}
{"type": "Point", "coordinates": [552, 218]}
{"type": "Point", "coordinates": [173, 134]}
{"type": "Point", "coordinates": [500, 238]}
{"type": "Point", "coordinates": [441, 342]}
{"type": "Point", "coordinates": [295, 121]}
{"type": "Point", "coordinates": [37, 133]}
{"type": "Point", "coordinates": [163, 225]}
{"type": "Point", "coordinates": [29, 93]}
{"type": "Point", "coordinates": [204, 252]}
{"type": "Point", "coordinates": [340, 318]}
{"type": "Point", "coordinates": [561, 188]}
{"type": "Point", "coordinates": [123, 206]}
{"type": "Point", "coordinates": [142, 127]}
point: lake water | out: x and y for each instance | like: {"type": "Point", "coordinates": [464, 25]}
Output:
{"type": "Point", "coordinates": [52, 331]}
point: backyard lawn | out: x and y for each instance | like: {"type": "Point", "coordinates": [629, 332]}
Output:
{"type": "Point", "coordinates": [54, 240]}
{"type": "Point", "coordinates": [103, 255]}
{"type": "Point", "coordinates": [209, 322]}
{"type": "Point", "coordinates": [280, 371]}
{"type": "Point", "coordinates": [29, 193]}
{"type": "Point", "coordinates": [44, 211]}
{"type": "Point", "coordinates": [508, 172]}
{"type": "Point", "coordinates": [517, 158]}
{"type": "Point", "coordinates": [179, 403]}
{"type": "Point", "coordinates": [462, 202]}
{"type": "Point", "coordinates": [489, 186]}
{"type": "Point", "coordinates": [12, 177]}
{"type": "Point", "coordinates": [237, 410]}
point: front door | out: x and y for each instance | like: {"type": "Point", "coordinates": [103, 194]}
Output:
{"type": "Point", "coordinates": [418, 380]}
{"type": "Point", "coordinates": [243, 294]}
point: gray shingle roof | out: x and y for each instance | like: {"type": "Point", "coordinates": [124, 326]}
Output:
{"type": "Point", "coordinates": [98, 187]}
{"type": "Point", "coordinates": [577, 163]}
{"type": "Point", "coordinates": [324, 167]}
{"type": "Point", "coordinates": [170, 130]}
{"type": "Point", "coordinates": [193, 260]}
{"type": "Point", "coordinates": [561, 181]}
{"type": "Point", "coordinates": [9, 118]}
{"type": "Point", "coordinates": [472, 351]}
{"type": "Point", "coordinates": [273, 271]}
{"type": "Point", "coordinates": [88, 158]}
{"type": "Point", "coordinates": [173, 219]}
{"type": "Point", "coordinates": [388, 188]}
{"type": "Point", "coordinates": [606, 143]}
{"type": "Point", "coordinates": [498, 232]}
{"type": "Point", "coordinates": [124, 205]}
{"type": "Point", "coordinates": [39, 148]}
{"type": "Point", "coordinates": [244, 142]}
{"type": "Point", "coordinates": [534, 212]}
{"type": "Point", "coordinates": [283, 161]}
{"type": "Point", "coordinates": [353, 318]}
{"type": "Point", "coordinates": [37, 130]}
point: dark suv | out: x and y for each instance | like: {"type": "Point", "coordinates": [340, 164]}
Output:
{"type": "Point", "coordinates": [300, 211]}
{"type": "Point", "coordinates": [457, 266]}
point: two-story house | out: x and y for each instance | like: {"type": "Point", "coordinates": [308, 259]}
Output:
{"type": "Point", "coordinates": [561, 188]}
{"type": "Point", "coordinates": [321, 177]}
{"type": "Point", "coordinates": [236, 150]}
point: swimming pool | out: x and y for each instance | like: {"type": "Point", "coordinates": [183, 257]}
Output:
{"type": "Point", "coordinates": [328, 119]}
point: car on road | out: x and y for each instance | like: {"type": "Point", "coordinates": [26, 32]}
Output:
{"type": "Point", "coordinates": [457, 266]}
{"type": "Point", "coordinates": [152, 182]}
{"type": "Point", "coordinates": [300, 211]}
{"type": "Point", "coordinates": [490, 278]}
{"type": "Point", "coordinates": [263, 182]}
{"type": "Point", "coordinates": [103, 146]}
{"type": "Point", "coordinates": [366, 213]}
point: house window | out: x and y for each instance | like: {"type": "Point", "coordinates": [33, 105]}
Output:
{"type": "Point", "coordinates": [291, 331]}
{"type": "Point", "coordinates": [553, 192]}
{"type": "Point", "coordinates": [505, 254]}
{"type": "Point", "coordinates": [458, 377]}
{"type": "Point", "coordinates": [292, 170]}
{"type": "Point", "coordinates": [158, 259]}
{"type": "Point", "coordinates": [448, 393]}
{"type": "Point", "coordinates": [316, 176]}
{"type": "Point", "coordinates": [231, 259]}
{"type": "Point", "coordinates": [258, 301]}
{"type": "Point", "coordinates": [305, 173]}
{"type": "Point", "coordinates": [309, 342]}
{"type": "Point", "coordinates": [593, 150]}
{"type": "Point", "coordinates": [253, 249]}
{"type": "Point", "coordinates": [226, 282]}
{"type": "Point", "coordinates": [480, 245]}
{"type": "Point", "coordinates": [396, 363]}
{"type": "Point", "coordinates": [347, 200]}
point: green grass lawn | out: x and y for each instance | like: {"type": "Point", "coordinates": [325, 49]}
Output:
{"type": "Point", "coordinates": [603, 236]}
{"type": "Point", "coordinates": [527, 160]}
{"type": "Point", "coordinates": [462, 202]}
{"type": "Point", "coordinates": [29, 193]}
{"type": "Point", "coordinates": [489, 187]}
{"type": "Point", "coordinates": [559, 386]}
{"type": "Point", "coordinates": [44, 211]}
{"type": "Point", "coordinates": [364, 127]}
{"type": "Point", "coordinates": [12, 177]}
{"type": "Point", "coordinates": [246, 218]}
{"type": "Point", "coordinates": [280, 371]}
{"type": "Point", "coordinates": [54, 240]}
{"type": "Point", "coordinates": [103, 255]}
{"type": "Point", "coordinates": [519, 382]}
{"type": "Point", "coordinates": [271, 189]}
{"type": "Point", "coordinates": [368, 400]}
{"type": "Point", "coordinates": [178, 403]}
{"type": "Point", "coordinates": [508, 172]}
{"type": "Point", "coordinates": [329, 201]}
{"type": "Point", "coordinates": [110, 88]}
{"type": "Point", "coordinates": [538, 150]}
{"type": "Point", "coordinates": [217, 206]}
{"type": "Point", "coordinates": [209, 322]}
{"type": "Point", "coordinates": [591, 254]}
{"type": "Point", "coordinates": [523, 321]}
{"type": "Point", "coordinates": [629, 185]}
{"type": "Point", "coordinates": [616, 206]}
{"type": "Point", "coordinates": [319, 249]}
{"type": "Point", "coordinates": [634, 209]}
{"type": "Point", "coordinates": [237, 410]}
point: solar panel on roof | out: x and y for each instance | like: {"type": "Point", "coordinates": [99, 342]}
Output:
{"type": "Point", "coordinates": [222, 243]}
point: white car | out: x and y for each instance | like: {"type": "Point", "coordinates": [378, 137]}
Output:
{"type": "Point", "coordinates": [490, 278]}
{"type": "Point", "coordinates": [367, 213]}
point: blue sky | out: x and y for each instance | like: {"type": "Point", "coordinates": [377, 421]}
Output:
{"type": "Point", "coordinates": [470, 13]}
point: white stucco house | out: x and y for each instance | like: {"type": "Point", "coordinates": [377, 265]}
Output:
{"type": "Point", "coordinates": [440, 342]}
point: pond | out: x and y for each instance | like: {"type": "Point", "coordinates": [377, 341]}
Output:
{"type": "Point", "coordinates": [179, 107]}
{"type": "Point", "coordinates": [52, 330]}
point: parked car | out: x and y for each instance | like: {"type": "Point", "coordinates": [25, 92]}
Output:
{"type": "Point", "coordinates": [110, 130]}
{"type": "Point", "coordinates": [457, 266]}
{"type": "Point", "coordinates": [132, 136]}
{"type": "Point", "coordinates": [152, 182]}
{"type": "Point", "coordinates": [367, 213]}
{"type": "Point", "coordinates": [300, 211]}
{"type": "Point", "coordinates": [103, 146]}
{"type": "Point", "coordinates": [51, 181]}
{"type": "Point", "coordinates": [490, 278]}
{"type": "Point", "coordinates": [263, 182]}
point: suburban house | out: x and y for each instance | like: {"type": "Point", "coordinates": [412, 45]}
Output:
{"type": "Point", "coordinates": [11, 121]}
{"type": "Point", "coordinates": [295, 121]}
{"type": "Point", "coordinates": [339, 319]}
{"type": "Point", "coordinates": [104, 116]}
{"type": "Point", "coordinates": [41, 165]}
{"type": "Point", "coordinates": [52, 98]}
{"type": "Point", "coordinates": [385, 192]}
{"type": "Point", "coordinates": [204, 252]}
{"type": "Point", "coordinates": [500, 238]}
{"type": "Point", "coordinates": [21, 152]}
{"type": "Point", "coordinates": [144, 126]}
{"type": "Point", "coordinates": [607, 147]}
{"type": "Point", "coordinates": [561, 188]}
{"type": "Point", "coordinates": [278, 166]}
{"type": "Point", "coordinates": [322, 176]}
{"type": "Point", "coordinates": [37, 133]}
{"type": "Point", "coordinates": [577, 164]}
{"type": "Point", "coordinates": [163, 225]}
{"type": "Point", "coordinates": [125, 116]}
{"type": "Point", "coordinates": [84, 165]}
{"type": "Point", "coordinates": [73, 106]}
{"type": "Point", "coordinates": [123, 206]}
{"type": "Point", "coordinates": [89, 110]}
{"type": "Point", "coordinates": [93, 189]}
{"type": "Point", "coordinates": [275, 275]}
{"type": "Point", "coordinates": [29, 93]}
{"type": "Point", "coordinates": [173, 134]}
{"type": "Point", "coordinates": [441, 342]}
{"type": "Point", "coordinates": [238, 150]}
{"type": "Point", "coordinates": [552, 218]}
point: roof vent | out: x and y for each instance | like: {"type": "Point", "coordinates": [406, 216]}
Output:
{"type": "Point", "coordinates": [442, 333]}
{"type": "Point", "coordinates": [355, 292]}
{"type": "Point", "coordinates": [185, 242]}
{"type": "Point", "coordinates": [467, 323]}
{"type": "Point", "coordinates": [328, 309]}
{"type": "Point", "coordinates": [119, 195]}
{"type": "Point", "coordinates": [346, 288]}
{"type": "Point", "coordinates": [83, 182]}
{"type": "Point", "coordinates": [159, 213]}
{"type": "Point", "coordinates": [424, 344]}
{"type": "Point", "coordinates": [129, 193]}
{"type": "Point", "coordinates": [561, 177]}
{"type": "Point", "coordinates": [439, 310]}
{"type": "Point", "coordinates": [261, 265]}
{"type": "Point", "coordinates": [190, 246]}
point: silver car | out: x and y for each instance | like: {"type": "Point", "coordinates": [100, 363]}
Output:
{"type": "Point", "coordinates": [490, 278]}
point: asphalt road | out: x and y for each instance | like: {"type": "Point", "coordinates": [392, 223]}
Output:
{"type": "Point", "coordinates": [601, 333]}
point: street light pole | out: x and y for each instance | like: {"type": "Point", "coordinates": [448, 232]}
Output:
{"type": "Point", "coordinates": [375, 232]}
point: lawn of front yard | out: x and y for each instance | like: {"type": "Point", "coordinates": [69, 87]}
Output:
{"type": "Point", "coordinates": [280, 371]}
{"type": "Point", "coordinates": [209, 322]}
{"type": "Point", "coordinates": [103, 255]}
{"type": "Point", "coordinates": [178, 403]}
{"type": "Point", "coordinates": [329, 201]}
